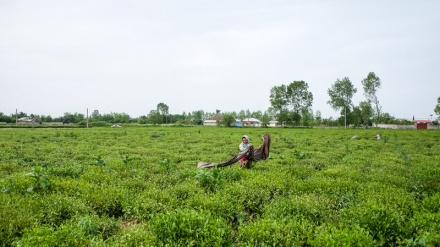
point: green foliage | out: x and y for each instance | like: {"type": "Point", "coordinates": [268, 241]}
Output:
{"type": "Point", "coordinates": [437, 107]}
{"type": "Point", "coordinates": [300, 154]}
{"type": "Point", "coordinates": [167, 165]}
{"type": "Point", "coordinates": [84, 231]}
{"type": "Point", "coordinates": [352, 235]}
{"type": "Point", "coordinates": [40, 180]}
{"type": "Point", "coordinates": [99, 161]}
{"type": "Point", "coordinates": [341, 94]}
{"type": "Point", "coordinates": [155, 135]}
{"type": "Point", "coordinates": [275, 232]}
{"type": "Point", "coordinates": [126, 159]}
{"type": "Point", "coordinates": [371, 85]}
{"type": "Point", "coordinates": [99, 124]}
{"type": "Point", "coordinates": [319, 188]}
{"type": "Point", "coordinates": [228, 120]}
{"type": "Point", "coordinates": [66, 171]}
{"type": "Point", "coordinates": [190, 228]}
{"type": "Point", "coordinates": [210, 179]}
{"type": "Point", "coordinates": [291, 102]}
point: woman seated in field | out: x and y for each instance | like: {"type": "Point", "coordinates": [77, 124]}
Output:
{"type": "Point", "coordinates": [243, 145]}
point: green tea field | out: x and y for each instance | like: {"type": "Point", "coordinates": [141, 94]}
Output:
{"type": "Point", "coordinates": [140, 186]}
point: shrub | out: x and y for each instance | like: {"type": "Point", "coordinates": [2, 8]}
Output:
{"type": "Point", "coordinates": [16, 214]}
{"type": "Point", "coordinates": [210, 179]}
{"type": "Point", "coordinates": [385, 224]}
{"type": "Point", "coordinates": [273, 232]}
{"type": "Point", "coordinates": [99, 161]}
{"type": "Point", "coordinates": [190, 228]}
{"type": "Point", "coordinates": [426, 230]}
{"type": "Point", "coordinates": [167, 165]}
{"type": "Point", "coordinates": [99, 124]}
{"type": "Point", "coordinates": [132, 234]}
{"type": "Point", "coordinates": [308, 206]}
{"type": "Point", "coordinates": [318, 188]}
{"type": "Point", "coordinates": [55, 209]}
{"type": "Point", "coordinates": [66, 171]}
{"type": "Point", "coordinates": [330, 235]}
{"type": "Point", "coordinates": [432, 204]}
{"type": "Point", "coordinates": [40, 180]}
{"type": "Point", "coordinates": [84, 231]}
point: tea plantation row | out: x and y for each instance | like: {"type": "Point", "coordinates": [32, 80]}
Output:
{"type": "Point", "coordinates": [141, 187]}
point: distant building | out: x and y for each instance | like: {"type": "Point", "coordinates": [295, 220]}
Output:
{"type": "Point", "coordinates": [275, 123]}
{"type": "Point", "coordinates": [423, 124]}
{"type": "Point", "coordinates": [212, 121]}
{"type": "Point", "coordinates": [248, 122]}
{"type": "Point", "coordinates": [25, 120]}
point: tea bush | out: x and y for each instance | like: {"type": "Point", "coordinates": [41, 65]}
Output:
{"type": "Point", "coordinates": [140, 186]}
{"type": "Point", "coordinates": [83, 231]}
{"type": "Point", "coordinates": [352, 235]}
{"type": "Point", "coordinates": [190, 228]}
{"type": "Point", "coordinates": [276, 232]}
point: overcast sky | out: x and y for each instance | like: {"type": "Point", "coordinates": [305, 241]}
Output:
{"type": "Point", "coordinates": [128, 56]}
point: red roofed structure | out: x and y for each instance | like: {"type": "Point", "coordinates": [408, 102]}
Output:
{"type": "Point", "coordinates": [422, 123]}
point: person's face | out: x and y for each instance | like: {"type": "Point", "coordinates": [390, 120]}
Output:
{"type": "Point", "coordinates": [244, 140]}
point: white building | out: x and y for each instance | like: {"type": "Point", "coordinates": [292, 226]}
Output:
{"type": "Point", "coordinates": [210, 122]}
{"type": "Point", "coordinates": [274, 123]}
{"type": "Point", "coordinates": [248, 122]}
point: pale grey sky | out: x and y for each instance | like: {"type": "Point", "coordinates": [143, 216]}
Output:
{"type": "Point", "coordinates": [128, 56]}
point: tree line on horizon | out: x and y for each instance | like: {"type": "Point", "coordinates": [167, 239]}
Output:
{"type": "Point", "coordinates": [290, 105]}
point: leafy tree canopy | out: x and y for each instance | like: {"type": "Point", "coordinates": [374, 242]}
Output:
{"type": "Point", "coordinates": [287, 102]}
{"type": "Point", "coordinates": [341, 94]}
{"type": "Point", "coordinates": [437, 107]}
{"type": "Point", "coordinates": [371, 84]}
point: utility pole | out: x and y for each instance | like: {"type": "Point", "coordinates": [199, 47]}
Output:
{"type": "Point", "coordinates": [87, 117]}
{"type": "Point", "coordinates": [16, 117]}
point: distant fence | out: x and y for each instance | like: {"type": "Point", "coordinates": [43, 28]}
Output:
{"type": "Point", "coordinates": [398, 126]}
{"type": "Point", "coordinates": [395, 126]}
{"type": "Point", "coordinates": [53, 123]}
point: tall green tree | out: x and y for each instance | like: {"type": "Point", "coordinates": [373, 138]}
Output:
{"type": "Point", "coordinates": [46, 118]}
{"type": "Point", "coordinates": [197, 117]}
{"type": "Point", "coordinates": [278, 102]}
{"type": "Point", "coordinates": [257, 114]}
{"type": "Point", "coordinates": [241, 116]}
{"type": "Point", "coordinates": [371, 85]}
{"type": "Point", "coordinates": [6, 119]}
{"type": "Point", "coordinates": [437, 107]}
{"type": "Point", "coordinates": [265, 119]}
{"type": "Point", "coordinates": [318, 117]}
{"type": "Point", "coordinates": [96, 114]}
{"type": "Point", "coordinates": [306, 117]}
{"type": "Point", "coordinates": [354, 116]}
{"type": "Point", "coordinates": [298, 96]}
{"type": "Point", "coordinates": [142, 119]}
{"type": "Point", "coordinates": [162, 108]}
{"type": "Point", "coordinates": [248, 113]}
{"type": "Point", "coordinates": [289, 101]}
{"type": "Point", "coordinates": [341, 94]}
{"type": "Point", "coordinates": [73, 118]}
{"type": "Point", "coordinates": [154, 117]}
{"type": "Point", "coordinates": [366, 112]}
{"type": "Point", "coordinates": [121, 118]}
{"type": "Point", "coordinates": [228, 120]}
